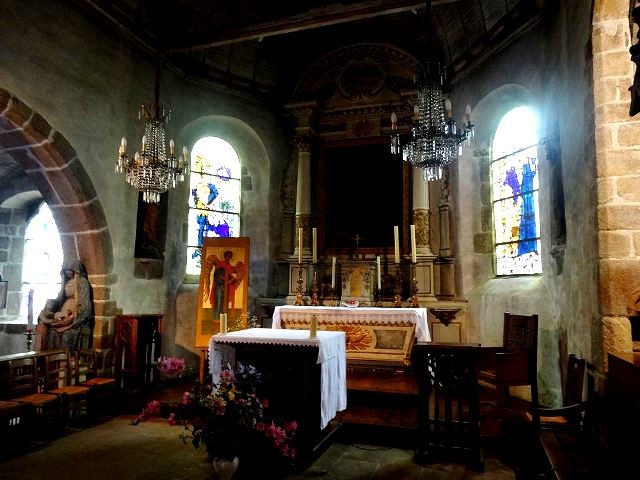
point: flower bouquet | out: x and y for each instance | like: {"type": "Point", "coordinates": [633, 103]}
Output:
{"type": "Point", "coordinates": [230, 420]}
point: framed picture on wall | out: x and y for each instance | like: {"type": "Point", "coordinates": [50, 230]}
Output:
{"type": "Point", "coordinates": [224, 286]}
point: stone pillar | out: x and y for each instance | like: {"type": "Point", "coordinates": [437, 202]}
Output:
{"type": "Point", "coordinates": [424, 256]}
{"type": "Point", "coordinates": [617, 158]}
{"type": "Point", "coordinates": [304, 114]}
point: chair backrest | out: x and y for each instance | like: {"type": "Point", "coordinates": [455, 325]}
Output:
{"type": "Point", "coordinates": [520, 333]}
{"type": "Point", "coordinates": [574, 383]}
{"type": "Point", "coordinates": [23, 378]}
{"type": "Point", "coordinates": [85, 364]}
{"type": "Point", "coordinates": [56, 371]}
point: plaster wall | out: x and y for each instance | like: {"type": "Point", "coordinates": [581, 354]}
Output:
{"type": "Point", "coordinates": [548, 69]}
{"type": "Point", "coordinates": [87, 84]}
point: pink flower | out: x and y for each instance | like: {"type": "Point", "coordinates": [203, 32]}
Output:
{"type": "Point", "coordinates": [172, 365]}
{"type": "Point", "coordinates": [152, 409]}
{"type": "Point", "coordinates": [185, 398]}
{"type": "Point", "coordinates": [172, 419]}
{"type": "Point", "coordinates": [290, 427]}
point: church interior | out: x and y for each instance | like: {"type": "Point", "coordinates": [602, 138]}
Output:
{"type": "Point", "coordinates": [510, 144]}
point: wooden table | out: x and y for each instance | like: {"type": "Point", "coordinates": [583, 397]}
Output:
{"type": "Point", "coordinates": [303, 378]}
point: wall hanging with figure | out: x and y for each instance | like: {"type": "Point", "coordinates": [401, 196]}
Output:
{"type": "Point", "coordinates": [224, 286]}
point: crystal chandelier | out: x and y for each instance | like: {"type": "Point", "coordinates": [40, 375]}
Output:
{"type": "Point", "coordinates": [435, 142]}
{"type": "Point", "coordinates": [151, 171]}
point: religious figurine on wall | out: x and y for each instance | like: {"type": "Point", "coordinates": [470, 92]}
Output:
{"type": "Point", "coordinates": [65, 321]}
{"type": "Point", "coordinates": [221, 292]}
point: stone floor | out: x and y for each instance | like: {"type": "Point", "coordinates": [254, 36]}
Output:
{"type": "Point", "coordinates": [114, 449]}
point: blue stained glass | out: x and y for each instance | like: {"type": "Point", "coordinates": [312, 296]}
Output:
{"type": "Point", "coordinates": [515, 195]}
{"type": "Point", "coordinates": [214, 196]}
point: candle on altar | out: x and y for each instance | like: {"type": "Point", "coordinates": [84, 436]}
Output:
{"type": "Point", "coordinates": [300, 245]}
{"type": "Point", "coordinates": [30, 309]}
{"type": "Point", "coordinates": [223, 323]}
{"type": "Point", "coordinates": [396, 244]}
{"type": "Point", "coordinates": [333, 273]}
{"type": "Point", "coordinates": [412, 229]}
{"type": "Point", "coordinates": [379, 273]}
{"type": "Point", "coordinates": [314, 233]}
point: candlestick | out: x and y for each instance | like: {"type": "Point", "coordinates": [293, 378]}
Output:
{"type": "Point", "coordinates": [333, 273]}
{"type": "Point", "coordinates": [314, 288]}
{"type": "Point", "coordinates": [396, 244]}
{"type": "Point", "coordinates": [300, 245]}
{"type": "Point", "coordinates": [414, 288]}
{"type": "Point", "coordinates": [314, 234]}
{"type": "Point", "coordinates": [379, 274]}
{"type": "Point", "coordinates": [412, 229]}
{"type": "Point", "coordinates": [298, 300]}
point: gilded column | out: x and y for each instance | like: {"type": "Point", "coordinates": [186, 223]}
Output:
{"type": "Point", "coordinates": [424, 271]}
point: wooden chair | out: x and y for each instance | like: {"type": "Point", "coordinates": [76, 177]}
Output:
{"type": "Point", "coordinates": [13, 426]}
{"type": "Point", "coordinates": [59, 380]}
{"type": "Point", "coordinates": [449, 407]}
{"type": "Point", "coordinates": [571, 415]}
{"type": "Point", "coordinates": [44, 409]}
{"type": "Point", "coordinates": [562, 430]}
{"type": "Point", "coordinates": [102, 388]}
{"type": "Point", "coordinates": [515, 363]}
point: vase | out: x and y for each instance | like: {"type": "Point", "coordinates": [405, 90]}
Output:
{"type": "Point", "coordinates": [225, 469]}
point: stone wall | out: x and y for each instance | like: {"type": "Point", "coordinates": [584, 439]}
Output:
{"type": "Point", "coordinates": [618, 158]}
{"type": "Point", "coordinates": [549, 70]}
{"type": "Point", "coordinates": [12, 230]}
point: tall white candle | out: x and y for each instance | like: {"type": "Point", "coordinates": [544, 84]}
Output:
{"type": "Point", "coordinates": [30, 309]}
{"type": "Point", "coordinates": [379, 274]}
{"type": "Point", "coordinates": [300, 245]}
{"type": "Point", "coordinates": [412, 229]}
{"type": "Point", "coordinates": [396, 244]}
{"type": "Point", "coordinates": [314, 233]}
{"type": "Point", "coordinates": [333, 273]}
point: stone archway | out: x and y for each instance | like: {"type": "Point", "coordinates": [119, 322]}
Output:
{"type": "Point", "coordinates": [53, 166]}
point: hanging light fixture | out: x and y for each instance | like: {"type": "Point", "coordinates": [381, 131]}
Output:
{"type": "Point", "coordinates": [435, 141]}
{"type": "Point", "coordinates": [151, 171]}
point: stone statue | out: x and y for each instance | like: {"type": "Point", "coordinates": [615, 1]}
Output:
{"type": "Point", "coordinates": [67, 318]}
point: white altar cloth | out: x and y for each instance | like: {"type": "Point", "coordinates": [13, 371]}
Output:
{"type": "Point", "coordinates": [331, 357]}
{"type": "Point", "coordinates": [418, 316]}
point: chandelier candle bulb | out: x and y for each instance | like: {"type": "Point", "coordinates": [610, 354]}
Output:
{"type": "Point", "coordinates": [396, 244]}
{"type": "Point", "coordinates": [172, 146]}
{"type": "Point", "coordinates": [447, 106]}
{"type": "Point", "coordinates": [314, 234]}
{"type": "Point", "coordinates": [144, 143]}
{"type": "Point", "coordinates": [412, 229]}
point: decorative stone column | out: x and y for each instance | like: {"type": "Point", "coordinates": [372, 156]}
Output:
{"type": "Point", "coordinates": [424, 256]}
{"type": "Point", "coordinates": [304, 114]}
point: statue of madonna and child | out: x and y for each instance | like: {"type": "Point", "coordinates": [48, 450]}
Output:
{"type": "Point", "coordinates": [66, 321]}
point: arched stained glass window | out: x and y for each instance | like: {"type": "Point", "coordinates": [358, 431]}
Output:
{"type": "Point", "coordinates": [514, 181]}
{"type": "Point", "coordinates": [214, 196]}
{"type": "Point", "coordinates": [42, 260]}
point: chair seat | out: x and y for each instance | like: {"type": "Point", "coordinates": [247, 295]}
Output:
{"type": "Point", "coordinates": [36, 398]}
{"type": "Point", "coordinates": [551, 421]}
{"type": "Point", "coordinates": [71, 390]}
{"type": "Point", "coordinates": [9, 408]}
{"type": "Point", "coordinates": [98, 381]}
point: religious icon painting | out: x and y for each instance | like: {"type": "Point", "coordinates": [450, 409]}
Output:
{"type": "Point", "coordinates": [224, 286]}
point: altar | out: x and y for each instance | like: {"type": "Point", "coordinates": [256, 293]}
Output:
{"type": "Point", "coordinates": [303, 378]}
{"type": "Point", "coordinates": [380, 335]}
